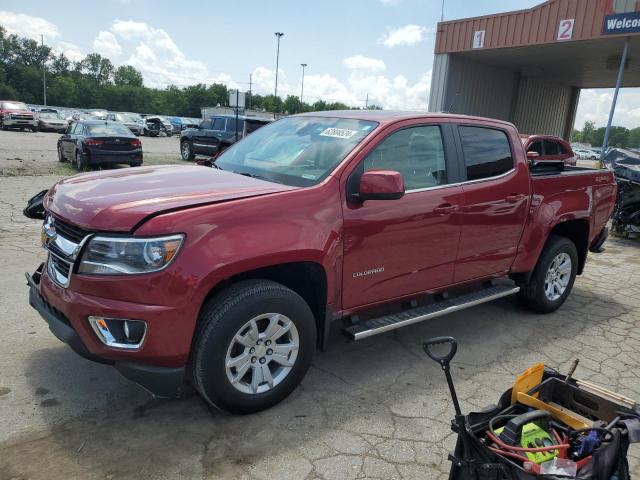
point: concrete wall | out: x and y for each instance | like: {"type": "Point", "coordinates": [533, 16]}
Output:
{"type": "Point", "coordinates": [460, 85]}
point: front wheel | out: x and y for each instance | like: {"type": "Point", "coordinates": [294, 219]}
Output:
{"type": "Point", "coordinates": [553, 276]}
{"type": "Point", "coordinates": [60, 154]}
{"type": "Point", "coordinates": [254, 345]}
{"type": "Point", "coordinates": [186, 151]}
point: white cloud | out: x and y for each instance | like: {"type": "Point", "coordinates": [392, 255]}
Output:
{"type": "Point", "coordinates": [360, 62]}
{"type": "Point", "coordinates": [407, 35]}
{"type": "Point", "coordinates": [70, 50]}
{"type": "Point", "coordinates": [595, 104]}
{"type": "Point", "coordinates": [128, 29]}
{"type": "Point", "coordinates": [28, 26]}
{"type": "Point", "coordinates": [106, 44]}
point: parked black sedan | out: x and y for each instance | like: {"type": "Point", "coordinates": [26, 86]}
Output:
{"type": "Point", "coordinates": [98, 142]}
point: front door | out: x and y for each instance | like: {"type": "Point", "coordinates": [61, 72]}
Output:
{"type": "Point", "coordinates": [394, 248]}
{"type": "Point", "coordinates": [496, 193]}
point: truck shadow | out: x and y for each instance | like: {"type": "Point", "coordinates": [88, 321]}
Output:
{"type": "Point", "coordinates": [355, 399]}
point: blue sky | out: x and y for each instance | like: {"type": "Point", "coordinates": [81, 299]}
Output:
{"type": "Point", "coordinates": [383, 48]}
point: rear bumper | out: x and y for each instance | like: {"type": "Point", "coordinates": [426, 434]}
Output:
{"type": "Point", "coordinates": [160, 381]}
{"type": "Point", "coordinates": [100, 158]}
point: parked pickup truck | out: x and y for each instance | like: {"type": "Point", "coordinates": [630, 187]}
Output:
{"type": "Point", "coordinates": [215, 134]}
{"type": "Point", "coordinates": [230, 278]}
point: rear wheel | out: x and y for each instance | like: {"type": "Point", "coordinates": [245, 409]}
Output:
{"type": "Point", "coordinates": [553, 276]}
{"type": "Point", "coordinates": [253, 347]}
{"type": "Point", "coordinates": [186, 150]}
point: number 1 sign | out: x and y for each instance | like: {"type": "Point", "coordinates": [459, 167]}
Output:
{"type": "Point", "coordinates": [565, 29]}
{"type": "Point", "coordinates": [478, 39]}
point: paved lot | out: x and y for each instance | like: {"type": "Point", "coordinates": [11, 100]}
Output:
{"type": "Point", "coordinates": [375, 409]}
{"type": "Point", "coordinates": [28, 153]}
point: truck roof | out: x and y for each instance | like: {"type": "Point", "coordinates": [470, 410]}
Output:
{"type": "Point", "coordinates": [392, 116]}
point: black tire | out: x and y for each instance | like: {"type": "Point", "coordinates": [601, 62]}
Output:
{"type": "Point", "coordinates": [61, 155]}
{"type": "Point", "coordinates": [186, 151]}
{"type": "Point", "coordinates": [34, 129]}
{"type": "Point", "coordinates": [80, 163]}
{"type": "Point", "coordinates": [532, 294]}
{"type": "Point", "coordinates": [222, 317]}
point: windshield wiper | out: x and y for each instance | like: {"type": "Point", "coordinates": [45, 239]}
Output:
{"type": "Point", "coordinates": [259, 177]}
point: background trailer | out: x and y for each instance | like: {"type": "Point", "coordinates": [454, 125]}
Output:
{"type": "Point", "coordinates": [528, 66]}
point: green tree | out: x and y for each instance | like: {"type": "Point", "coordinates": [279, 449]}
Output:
{"type": "Point", "coordinates": [292, 105]}
{"type": "Point", "coordinates": [587, 133]}
{"type": "Point", "coordinates": [634, 138]}
{"type": "Point", "coordinates": [97, 67]}
{"type": "Point", "coordinates": [127, 75]}
{"type": "Point", "coordinates": [576, 136]}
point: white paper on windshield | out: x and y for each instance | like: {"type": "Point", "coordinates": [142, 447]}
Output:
{"type": "Point", "coordinates": [338, 133]}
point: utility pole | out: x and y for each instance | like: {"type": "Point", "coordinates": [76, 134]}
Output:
{"type": "Point", "coordinates": [250, 84]}
{"type": "Point", "coordinates": [623, 62]}
{"type": "Point", "coordinates": [278, 36]}
{"type": "Point", "coordinates": [44, 74]}
{"type": "Point", "coordinates": [303, 65]}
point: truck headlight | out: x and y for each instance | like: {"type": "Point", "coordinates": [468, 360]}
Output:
{"type": "Point", "coordinates": [126, 255]}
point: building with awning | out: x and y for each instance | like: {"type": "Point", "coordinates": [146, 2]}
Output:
{"type": "Point", "coordinates": [528, 66]}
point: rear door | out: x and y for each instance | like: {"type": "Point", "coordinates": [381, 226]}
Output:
{"type": "Point", "coordinates": [68, 140]}
{"type": "Point", "coordinates": [496, 197]}
{"type": "Point", "coordinates": [395, 248]}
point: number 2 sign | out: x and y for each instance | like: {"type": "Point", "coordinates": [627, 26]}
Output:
{"type": "Point", "coordinates": [478, 39]}
{"type": "Point", "coordinates": [565, 29]}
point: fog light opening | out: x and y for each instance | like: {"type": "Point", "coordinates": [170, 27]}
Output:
{"type": "Point", "coordinates": [119, 333]}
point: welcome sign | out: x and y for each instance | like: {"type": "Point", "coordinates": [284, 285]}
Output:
{"type": "Point", "coordinates": [621, 23]}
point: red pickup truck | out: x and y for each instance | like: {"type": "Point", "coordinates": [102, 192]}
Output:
{"type": "Point", "coordinates": [230, 278]}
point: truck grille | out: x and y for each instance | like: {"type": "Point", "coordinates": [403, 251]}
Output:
{"type": "Point", "coordinates": [22, 116]}
{"type": "Point", "coordinates": [62, 246]}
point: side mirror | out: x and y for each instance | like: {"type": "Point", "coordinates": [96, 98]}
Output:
{"type": "Point", "coordinates": [381, 185]}
{"type": "Point", "coordinates": [533, 156]}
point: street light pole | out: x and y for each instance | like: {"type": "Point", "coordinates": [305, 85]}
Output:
{"type": "Point", "coordinates": [303, 65]}
{"type": "Point", "coordinates": [278, 35]}
{"type": "Point", "coordinates": [44, 75]}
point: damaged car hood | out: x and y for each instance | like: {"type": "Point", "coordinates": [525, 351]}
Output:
{"type": "Point", "coordinates": [118, 200]}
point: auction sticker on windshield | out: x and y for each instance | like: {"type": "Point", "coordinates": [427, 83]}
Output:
{"type": "Point", "coordinates": [338, 133]}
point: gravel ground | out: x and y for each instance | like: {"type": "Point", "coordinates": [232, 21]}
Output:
{"type": "Point", "coordinates": [374, 409]}
{"type": "Point", "coordinates": [28, 153]}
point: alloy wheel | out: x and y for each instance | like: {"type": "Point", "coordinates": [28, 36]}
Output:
{"type": "Point", "coordinates": [262, 353]}
{"type": "Point", "coordinates": [558, 276]}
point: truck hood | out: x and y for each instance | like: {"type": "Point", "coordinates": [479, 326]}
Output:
{"type": "Point", "coordinates": [118, 200]}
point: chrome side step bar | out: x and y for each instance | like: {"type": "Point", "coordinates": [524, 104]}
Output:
{"type": "Point", "coordinates": [392, 321]}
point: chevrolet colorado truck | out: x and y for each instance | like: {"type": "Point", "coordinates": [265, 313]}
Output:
{"type": "Point", "coordinates": [231, 278]}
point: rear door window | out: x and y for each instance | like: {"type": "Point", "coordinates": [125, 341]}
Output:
{"type": "Point", "coordinates": [551, 147]}
{"type": "Point", "coordinates": [487, 152]}
{"type": "Point", "coordinates": [218, 124]}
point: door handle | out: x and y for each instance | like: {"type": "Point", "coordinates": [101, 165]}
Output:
{"type": "Point", "coordinates": [445, 209]}
{"type": "Point", "coordinates": [514, 197]}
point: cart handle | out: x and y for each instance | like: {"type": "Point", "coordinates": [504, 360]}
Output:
{"type": "Point", "coordinates": [443, 359]}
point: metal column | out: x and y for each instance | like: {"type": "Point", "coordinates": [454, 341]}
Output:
{"type": "Point", "coordinates": [623, 62]}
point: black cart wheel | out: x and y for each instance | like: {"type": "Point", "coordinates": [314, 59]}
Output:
{"type": "Point", "coordinates": [553, 276]}
{"type": "Point", "coordinates": [253, 346]}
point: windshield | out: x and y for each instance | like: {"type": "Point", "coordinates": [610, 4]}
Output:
{"type": "Point", "coordinates": [48, 115]}
{"type": "Point", "coordinates": [297, 151]}
{"type": "Point", "coordinates": [14, 106]}
{"type": "Point", "coordinates": [108, 130]}
{"type": "Point", "coordinates": [126, 117]}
